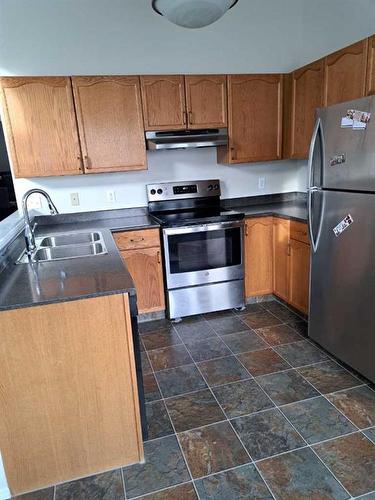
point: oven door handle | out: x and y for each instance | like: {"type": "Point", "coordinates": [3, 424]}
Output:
{"type": "Point", "coordinates": [199, 228]}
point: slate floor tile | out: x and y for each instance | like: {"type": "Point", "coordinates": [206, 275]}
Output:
{"type": "Point", "coordinates": [158, 422]}
{"type": "Point", "coordinates": [316, 419]}
{"type": "Point", "coordinates": [300, 327]}
{"type": "Point", "coordinates": [194, 331]}
{"type": "Point", "coordinates": [241, 483]}
{"type": "Point", "coordinates": [250, 308]}
{"type": "Point", "coordinates": [301, 353]}
{"type": "Point", "coordinates": [169, 357]}
{"type": "Point", "coordinates": [164, 466]}
{"type": "Point", "coordinates": [146, 367]}
{"type": "Point", "coordinates": [180, 380]}
{"type": "Point", "coordinates": [162, 338]}
{"type": "Point", "coordinates": [263, 361]}
{"type": "Point", "coordinates": [107, 486]}
{"type": "Point", "coordinates": [241, 398]}
{"type": "Point", "coordinates": [151, 388]}
{"type": "Point", "coordinates": [286, 387]}
{"type": "Point", "coordinates": [266, 434]}
{"type": "Point", "coordinates": [244, 342]}
{"type": "Point", "coordinates": [223, 371]}
{"type": "Point", "coordinates": [194, 410]}
{"type": "Point", "coordinates": [184, 491]}
{"type": "Point", "coordinates": [260, 319]}
{"type": "Point", "coordinates": [352, 460]}
{"type": "Point", "coordinates": [357, 404]}
{"type": "Point", "coordinates": [329, 377]}
{"type": "Point", "coordinates": [46, 494]}
{"type": "Point", "coordinates": [153, 326]}
{"type": "Point", "coordinates": [278, 335]}
{"type": "Point", "coordinates": [370, 433]}
{"type": "Point", "coordinates": [300, 475]}
{"type": "Point", "coordinates": [231, 324]}
{"type": "Point", "coordinates": [227, 313]}
{"type": "Point", "coordinates": [281, 311]}
{"type": "Point", "coordinates": [211, 449]}
{"type": "Point", "coordinates": [208, 349]}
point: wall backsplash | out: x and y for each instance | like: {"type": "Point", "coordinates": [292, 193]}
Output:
{"type": "Point", "coordinates": [129, 187]}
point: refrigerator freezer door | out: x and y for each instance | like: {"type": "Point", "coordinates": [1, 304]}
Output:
{"type": "Point", "coordinates": [349, 154]}
{"type": "Point", "coordinates": [342, 317]}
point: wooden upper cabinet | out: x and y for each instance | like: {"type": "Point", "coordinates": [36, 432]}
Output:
{"type": "Point", "coordinates": [258, 256]}
{"type": "Point", "coordinates": [40, 126]}
{"type": "Point", "coordinates": [109, 114]}
{"type": "Point", "coordinates": [371, 66]}
{"type": "Point", "coordinates": [345, 74]}
{"type": "Point", "coordinates": [163, 99]}
{"type": "Point", "coordinates": [306, 95]}
{"type": "Point", "coordinates": [206, 101]}
{"type": "Point", "coordinates": [255, 119]}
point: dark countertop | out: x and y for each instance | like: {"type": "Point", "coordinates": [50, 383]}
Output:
{"type": "Point", "coordinates": [43, 283]}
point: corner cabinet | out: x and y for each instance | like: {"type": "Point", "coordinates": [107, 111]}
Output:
{"type": "Point", "coordinates": [142, 254]}
{"type": "Point", "coordinates": [371, 67]}
{"type": "Point", "coordinates": [303, 95]}
{"type": "Point", "coordinates": [110, 122]}
{"type": "Point", "coordinates": [40, 126]}
{"type": "Point", "coordinates": [254, 119]}
{"type": "Point", "coordinates": [345, 74]}
{"type": "Point", "coordinates": [163, 99]}
{"type": "Point", "coordinates": [206, 101]}
{"type": "Point", "coordinates": [258, 256]}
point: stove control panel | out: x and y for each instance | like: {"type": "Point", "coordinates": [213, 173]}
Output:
{"type": "Point", "coordinates": [181, 190]}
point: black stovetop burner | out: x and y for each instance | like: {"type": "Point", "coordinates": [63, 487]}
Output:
{"type": "Point", "coordinates": [199, 216]}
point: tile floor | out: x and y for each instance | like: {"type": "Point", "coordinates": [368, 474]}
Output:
{"type": "Point", "coordinates": [242, 405]}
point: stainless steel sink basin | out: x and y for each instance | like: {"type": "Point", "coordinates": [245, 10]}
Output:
{"type": "Point", "coordinates": [70, 239]}
{"type": "Point", "coordinates": [66, 246]}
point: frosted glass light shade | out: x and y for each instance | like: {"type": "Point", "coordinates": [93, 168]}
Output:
{"type": "Point", "coordinates": [192, 13]}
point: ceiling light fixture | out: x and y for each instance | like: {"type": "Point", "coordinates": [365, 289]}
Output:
{"type": "Point", "coordinates": [192, 13]}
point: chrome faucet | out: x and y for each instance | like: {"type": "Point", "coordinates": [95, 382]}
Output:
{"type": "Point", "coordinates": [29, 230]}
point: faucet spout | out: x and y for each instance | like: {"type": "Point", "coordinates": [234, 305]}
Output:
{"type": "Point", "coordinates": [29, 230]}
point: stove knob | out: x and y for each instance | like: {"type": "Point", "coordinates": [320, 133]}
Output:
{"type": "Point", "coordinates": [210, 187]}
{"type": "Point", "coordinates": [153, 191]}
{"type": "Point", "coordinates": [160, 191]}
{"type": "Point", "coordinates": [216, 187]}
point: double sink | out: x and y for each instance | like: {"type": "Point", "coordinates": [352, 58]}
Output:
{"type": "Point", "coordinates": [66, 246]}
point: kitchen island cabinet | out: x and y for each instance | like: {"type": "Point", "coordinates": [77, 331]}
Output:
{"type": "Point", "coordinates": [69, 402]}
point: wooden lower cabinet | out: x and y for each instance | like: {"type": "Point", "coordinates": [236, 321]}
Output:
{"type": "Point", "coordinates": [258, 256]}
{"type": "Point", "coordinates": [281, 228]}
{"type": "Point", "coordinates": [299, 273]}
{"type": "Point", "coordinates": [145, 267]}
{"type": "Point", "coordinates": [68, 400]}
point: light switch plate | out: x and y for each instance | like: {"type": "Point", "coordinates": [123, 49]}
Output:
{"type": "Point", "coordinates": [111, 196]}
{"type": "Point", "coordinates": [261, 182]}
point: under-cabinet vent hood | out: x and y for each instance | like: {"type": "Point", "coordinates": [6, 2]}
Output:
{"type": "Point", "coordinates": [184, 139]}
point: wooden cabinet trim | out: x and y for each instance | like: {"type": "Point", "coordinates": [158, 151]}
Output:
{"type": "Point", "coordinates": [370, 90]}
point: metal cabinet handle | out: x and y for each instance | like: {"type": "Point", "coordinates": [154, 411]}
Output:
{"type": "Point", "coordinates": [246, 230]}
{"type": "Point", "coordinates": [158, 256]}
{"type": "Point", "coordinates": [185, 117]}
{"type": "Point", "coordinates": [233, 152]}
{"type": "Point", "coordinates": [190, 117]}
{"type": "Point", "coordinates": [136, 240]}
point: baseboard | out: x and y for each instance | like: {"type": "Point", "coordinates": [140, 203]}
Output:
{"type": "Point", "coordinates": [4, 494]}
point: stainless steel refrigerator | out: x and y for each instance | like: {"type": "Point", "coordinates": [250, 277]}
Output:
{"type": "Point", "coordinates": [342, 232]}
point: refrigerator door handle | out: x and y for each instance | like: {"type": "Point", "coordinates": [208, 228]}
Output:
{"type": "Point", "coordinates": [317, 128]}
{"type": "Point", "coordinates": [314, 243]}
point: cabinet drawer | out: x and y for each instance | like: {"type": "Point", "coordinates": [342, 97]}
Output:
{"type": "Point", "coordinates": [299, 232]}
{"type": "Point", "coordinates": [144, 238]}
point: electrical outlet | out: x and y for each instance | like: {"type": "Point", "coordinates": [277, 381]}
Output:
{"type": "Point", "coordinates": [111, 196]}
{"type": "Point", "coordinates": [35, 201]}
{"type": "Point", "coordinates": [261, 182]}
{"type": "Point", "coordinates": [74, 199]}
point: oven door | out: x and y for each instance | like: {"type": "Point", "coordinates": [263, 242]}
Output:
{"type": "Point", "coordinates": [210, 253]}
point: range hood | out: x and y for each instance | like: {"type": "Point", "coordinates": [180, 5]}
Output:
{"type": "Point", "coordinates": [184, 139]}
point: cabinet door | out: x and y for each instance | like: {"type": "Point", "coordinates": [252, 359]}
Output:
{"type": "Point", "coordinates": [40, 126]}
{"type": "Point", "coordinates": [306, 96]}
{"type": "Point", "coordinates": [146, 270]}
{"type": "Point", "coordinates": [163, 99]}
{"type": "Point", "coordinates": [206, 101]}
{"type": "Point", "coordinates": [281, 258]}
{"type": "Point", "coordinates": [299, 273]}
{"type": "Point", "coordinates": [258, 256]}
{"type": "Point", "coordinates": [371, 66]}
{"type": "Point", "coordinates": [110, 124]}
{"type": "Point", "coordinates": [255, 117]}
{"type": "Point", "coordinates": [345, 74]}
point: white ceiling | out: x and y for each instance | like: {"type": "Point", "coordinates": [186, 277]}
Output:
{"type": "Point", "coordinates": [40, 37]}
